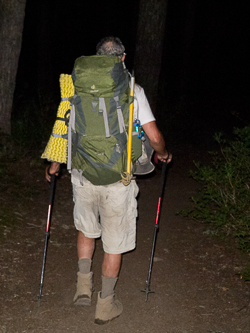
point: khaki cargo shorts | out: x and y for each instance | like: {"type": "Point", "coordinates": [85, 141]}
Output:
{"type": "Point", "coordinates": [108, 212]}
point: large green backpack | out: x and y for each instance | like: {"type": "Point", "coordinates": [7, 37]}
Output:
{"type": "Point", "coordinates": [99, 119]}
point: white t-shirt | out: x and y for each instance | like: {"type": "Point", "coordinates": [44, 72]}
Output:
{"type": "Point", "coordinates": [142, 109]}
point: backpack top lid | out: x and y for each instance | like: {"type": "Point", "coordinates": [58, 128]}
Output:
{"type": "Point", "coordinates": [100, 76]}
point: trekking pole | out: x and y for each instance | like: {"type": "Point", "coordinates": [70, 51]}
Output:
{"type": "Point", "coordinates": [163, 174]}
{"type": "Point", "coordinates": [52, 187]}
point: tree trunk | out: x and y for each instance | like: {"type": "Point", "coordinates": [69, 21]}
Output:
{"type": "Point", "coordinates": [149, 46]}
{"type": "Point", "coordinates": [12, 13]}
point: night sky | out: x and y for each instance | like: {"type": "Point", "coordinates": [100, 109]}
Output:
{"type": "Point", "coordinates": [205, 53]}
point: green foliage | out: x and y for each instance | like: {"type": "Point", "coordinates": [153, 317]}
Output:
{"type": "Point", "coordinates": [246, 273]}
{"type": "Point", "coordinates": [225, 195]}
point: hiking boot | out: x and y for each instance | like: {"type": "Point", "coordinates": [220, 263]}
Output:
{"type": "Point", "coordinates": [83, 289]}
{"type": "Point", "coordinates": [107, 309]}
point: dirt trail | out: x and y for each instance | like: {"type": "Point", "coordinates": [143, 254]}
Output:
{"type": "Point", "coordinates": [194, 276]}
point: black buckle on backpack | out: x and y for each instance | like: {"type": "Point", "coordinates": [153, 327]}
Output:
{"type": "Point", "coordinates": [66, 119]}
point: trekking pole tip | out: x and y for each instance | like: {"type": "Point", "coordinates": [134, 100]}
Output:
{"type": "Point", "coordinates": [147, 291]}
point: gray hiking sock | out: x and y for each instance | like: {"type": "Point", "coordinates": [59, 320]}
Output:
{"type": "Point", "coordinates": [108, 286]}
{"type": "Point", "coordinates": [84, 265]}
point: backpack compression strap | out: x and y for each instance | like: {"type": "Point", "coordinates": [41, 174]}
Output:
{"type": "Point", "coordinates": [71, 126]}
{"type": "Point", "coordinates": [119, 114]}
{"type": "Point", "coordinates": [102, 108]}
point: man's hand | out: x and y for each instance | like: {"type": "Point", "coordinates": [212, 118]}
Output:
{"type": "Point", "coordinates": [165, 157]}
{"type": "Point", "coordinates": [51, 170]}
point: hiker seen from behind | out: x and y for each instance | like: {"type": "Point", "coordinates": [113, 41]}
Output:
{"type": "Point", "coordinates": [92, 139]}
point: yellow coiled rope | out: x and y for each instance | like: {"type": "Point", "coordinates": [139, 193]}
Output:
{"type": "Point", "coordinates": [56, 149]}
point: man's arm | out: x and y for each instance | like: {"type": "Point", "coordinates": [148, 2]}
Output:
{"type": "Point", "coordinates": [156, 141]}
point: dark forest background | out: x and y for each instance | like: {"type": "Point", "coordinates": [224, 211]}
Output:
{"type": "Point", "coordinates": [191, 57]}
{"type": "Point", "coordinates": [203, 85]}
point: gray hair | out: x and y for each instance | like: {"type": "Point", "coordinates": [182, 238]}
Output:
{"type": "Point", "coordinates": [110, 45]}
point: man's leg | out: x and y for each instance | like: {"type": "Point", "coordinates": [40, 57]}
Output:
{"type": "Point", "coordinates": [117, 209]}
{"type": "Point", "coordinates": [107, 307]}
{"type": "Point", "coordinates": [111, 264]}
{"type": "Point", "coordinates": [110, 271]}
{"type": "Point", "coordinates": [85, 250]}
{"type": "Point", "coordinates": [85, 246]}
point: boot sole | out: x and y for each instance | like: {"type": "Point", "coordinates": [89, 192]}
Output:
{"type": "Point", "coordinates": [82, 301]}
{"type": "Point", "coordinates": [102, 322]}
